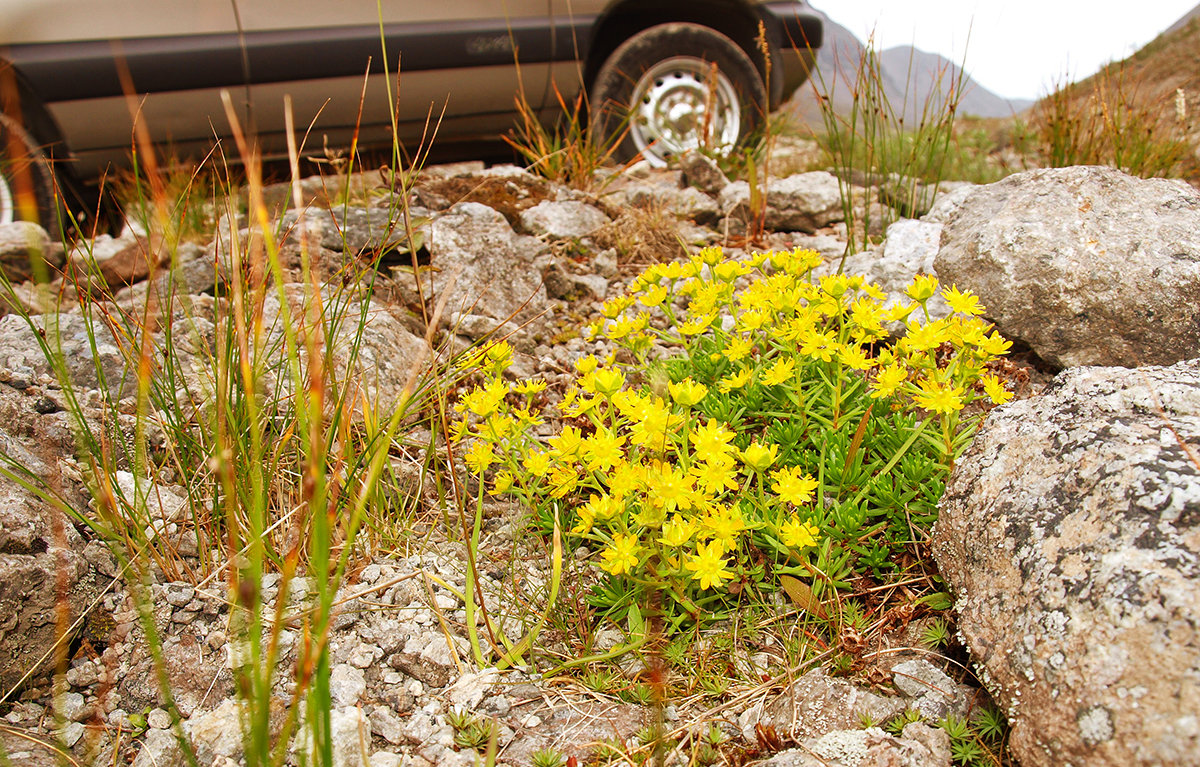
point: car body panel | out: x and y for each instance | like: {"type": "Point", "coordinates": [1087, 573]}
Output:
{"type": "Point", "coordinates": [78, 58]}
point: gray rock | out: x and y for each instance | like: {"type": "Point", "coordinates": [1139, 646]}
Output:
{"type": "Point", "coordinates": [1070, 534]}
{"type": "Point", "coordinates": [702, 172]}
{"type": "Point", "coordinates": [387, 725]}
{"type": "Point", "coordinates": [68, 334]}
{"type": "Point", "coordinates": [693, 204]}
{"type": "Point", "coordinates": [477, 326]}
{"type": "Point", "coordinates": [189, 272]}
{"type": "Point", "coordinates": [565, 220]}
{"type": "Point", "coordinates": [909, 250]}
{"type": "Point", "coordinates": [346, 684]}
{"type": "Point", "coordinates": [1087, 265]}
{"type": "Point", "coordinates": [216, 734]}
{"type": "Point", "coordinates": [803, 202]}
{"type": "Point", "coordinates": [160, 749]}
{"type": "Point", "coordinates": [351, 735]}
{"type": "Point", "coordinates": [361, 231]}
{"type": "Point", "coordinates": [115, 262]}
{"type": "Point", "coordinates": [22, 244]}
{"type": "Point", "coordinates": [919, 746]}
{"type": "Point", "coordinates": [817, 704]}
{"type": "Point", "coordinates": [485, 267]}
{"type": "Point", "coordinates": [951, 196]}
{"type": "Point", "coordinates": [71, 706]}
{"type": "Point", "coordinates": [936, 694]}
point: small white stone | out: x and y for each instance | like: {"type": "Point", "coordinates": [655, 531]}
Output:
{"type": "Point", "coordinates": [158, 719]}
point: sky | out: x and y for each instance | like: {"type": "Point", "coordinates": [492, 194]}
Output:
{"type": "Point", "coordinates": [1014, 48]}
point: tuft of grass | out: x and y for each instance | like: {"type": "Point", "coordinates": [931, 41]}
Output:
{"type": "Point", "coordinates": [566, 151]}
{"type": "Point", "coordinates": [1105, 121]}
{"type": "Point", "coordinates": [872, 145]}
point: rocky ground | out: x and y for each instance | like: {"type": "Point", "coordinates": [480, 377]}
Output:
{"type": "Point", "coordinates": [1088, 496]}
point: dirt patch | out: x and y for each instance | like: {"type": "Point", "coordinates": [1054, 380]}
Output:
{"type": "Point", "coordinates": [509, 195]}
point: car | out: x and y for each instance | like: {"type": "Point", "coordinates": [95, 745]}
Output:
{"type": "Point", "coordinates": [661, 76]}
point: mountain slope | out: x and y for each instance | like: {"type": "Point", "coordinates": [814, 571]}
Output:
{"type": "Point", "coordinates": [910, 79]}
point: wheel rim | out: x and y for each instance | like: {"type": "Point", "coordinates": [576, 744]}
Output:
{"type": "Point", "coordinates": [7, 214]}
{"type": "Point", "coordinates": [670, 111]}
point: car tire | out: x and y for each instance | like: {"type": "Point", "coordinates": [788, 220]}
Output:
{"type": "Point", "coordinates": [653, 95]}
{"type": "Point", "coordinates": [25, 170]}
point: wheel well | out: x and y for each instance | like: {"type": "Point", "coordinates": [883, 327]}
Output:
{"type": "Point", "coordinates": [625, 18]}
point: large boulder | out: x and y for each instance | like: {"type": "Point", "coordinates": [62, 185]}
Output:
{"type": "Point", "coordinates": [1070, 534]}
{"type": "Point", "coordinates": [804, 202]}
{"type": "Point", "coordinates": [1087, 265]}
{"type": "Point", "coordinates": [484, 267]}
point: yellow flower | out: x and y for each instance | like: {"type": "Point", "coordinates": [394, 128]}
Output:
{"type": "Point", "coordinates": [711, 440]}
{"type": "Point", "coordinates": [716, 475]}
{"type": "Point", "coordinates": [622, 555]}
{"type": "Point", "coordinates": [921, 338]}
{"type": "Point", "coordinates": [563, 480]}
{"type": "Point", "coordinates": [530, 386]}
{"type": "Point", "coordinates": [835, 285]}
{"type": "Point", "coordinates": [537, 463]}
{"type": "Point", "coordinates": [613, 307]}
{"type": "Point", "coordinates": [854, 358]}
{"type": "Point", "coordinates": [738, 348]}
{"type": "Point", "coordinates": [822, 346]}
{"type": "Point", "coordinates": [781, 372]}
{"type": "Point", "coordinates": [753, 320]}
{"type": "Point", "coordinates": [922, 288]}
{"type": "Point", "coordinates": [687, 392]}
{"type": "Point", "coordinates": [587, 364]}
{"type": "Point", "coordinates": [479, 457]}
{"type": "Point", "coordinates": [500, 355]}
{"type": "Point", "coordinates": [567, 444]}
{"type": "Point", "coordinates": [625, 479]}
{"type": "Point", "coordinates": [723, 524]}
{"type": "Point", "coordinates": [603, 450]}
{"type": "Point", "coordinates": [605, 506]}
{"type": "Point", "coordinates": [939, 397]}
{"type": "Point", "coordinates": [759, 458]}
{"type": "Point", "coordinates": [964, 302]}
{"type": "Point", "coordinates": [736, 381]}
{"type": "Point", "coordinates": [995, 345]}
{"type": "Point", "coordinates": [669, 488]}
{"type": "Point", "coordinates": [888, 381]}
{"type": "Point", "coordinates": [696, 325]}
{"type": "Point", "coordinates": [793, 486]}
{"type": "Point", "coordinates": [798, 535]}
{"type": "Point", "coordinates": [502, 482]}
{"type": "Point", "coordinates": [607, 381]}
{"type": "Point", "coordinates": [995, 389]}
{"type": "Point", "coordinates": [650, 430]}
{"type": "Point", "coordinates": [654, 296]}
{"type": "Point", "coordinates": [678, 531]}
{"type": "Point", "coordinates": [730, 271]}
{"type": "Point", "coordinates": [586, 519]}
{"type": "Point", "coordinates": [485, 400]}
{"type": "Point", "coordinates": [497, 427]}
{"type": "Point", "coordinates": [708, 565]}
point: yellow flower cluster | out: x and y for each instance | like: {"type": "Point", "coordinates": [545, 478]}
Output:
{"type": "Point", "coordinates": [670, 494]}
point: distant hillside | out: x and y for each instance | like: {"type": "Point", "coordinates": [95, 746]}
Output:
{"type": "Point", "coordinates": [910, 78]}
{"type": "Point", "coordinates": [1192, 14]}
{"type": "Point", "coordinates": [1154, 77]}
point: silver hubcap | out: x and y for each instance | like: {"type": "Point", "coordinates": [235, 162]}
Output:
{"type": "Point", "coordinates": [7, 213]}
{"type": "Point", "coordinates": [680, 104]}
